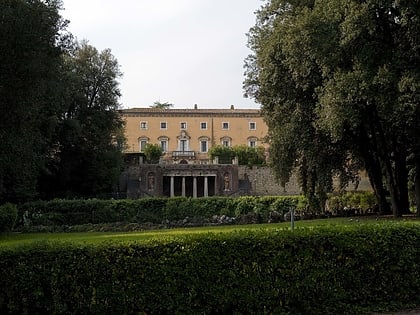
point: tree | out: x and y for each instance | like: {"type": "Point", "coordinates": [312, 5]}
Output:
{"type": "Point", "coordinates": [32, 40]}
{"type": "Point", "coordinates": [153, 152]}
{"type": "Point", "coordinates": [338, 83]}
{"type": "Point", "coordinates": [225, 154]}
{"type": "Point", "coordinates": [159, 105]}
{"type": "Point", "coordinates": [249, 156]}
{"type": "Point", "coordinates": [283, 77]}
{"type": "Point", "coordinates": [88, 156]}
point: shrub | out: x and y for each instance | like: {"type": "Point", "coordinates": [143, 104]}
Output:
{"type": "Point", "coordinates": [351, 203]}
{"type": "Point", "coordinates": [8, 217]}
{"type": "Point", "coordinates": [153, 152]}
{"type": "Point", "coordinates": [152, 210]}
{"type": "Point", "coordinates": [323, 271]}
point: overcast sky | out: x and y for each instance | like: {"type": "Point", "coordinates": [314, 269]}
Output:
{"type": "Point", "coordinates": [184, 52]}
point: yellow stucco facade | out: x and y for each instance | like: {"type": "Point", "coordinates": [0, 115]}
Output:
{"type": "Point", "coordinates": [186, 135]}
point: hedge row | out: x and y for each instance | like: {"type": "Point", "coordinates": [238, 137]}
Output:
{"type": "Point", "coordinates": [148, 210]}
{"type": "Point", "coordinates": [8, 217]}
{"type": "Point", "coordinates": [327, 271]}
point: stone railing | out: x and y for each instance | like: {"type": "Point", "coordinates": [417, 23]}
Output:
{"type": "Point", "coordinates": [183, 154]}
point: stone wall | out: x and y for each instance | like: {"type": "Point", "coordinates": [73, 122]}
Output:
{"type": "Point", "coordinates": [262, 182]}
{"type": "Point", "coordinates": [244, 180]}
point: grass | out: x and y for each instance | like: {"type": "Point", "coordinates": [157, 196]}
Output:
{"type": "Point", "coordinates": [23, 239]}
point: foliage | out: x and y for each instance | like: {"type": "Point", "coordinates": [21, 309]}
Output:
{"type": "Point", "coordinates": [32, 41]}
{"type": "Point", "coordinates": [60, 129]}
{"type": "Point", "coordinates": [147, 210]}
{"type": "Point", "coordinates": [153, 152]}
{"type": "Point", "coordinates": [352, 203]}
{"type": "Point", "coordinates": [160, 105]}
{"type": "Point", "coordinates": [338, 83]}
{"type": "Point", "coordinates": [8, 217]}
{"type": "Point", "coordinates": [87, 158]}
{"type": "Point", "coordinates": [312, 271]}
{"type": "Point", "coordinates": [246, 155]}
{"type": "Point", "coordinates": [225, 154]}
{"type": "Point", "coordinates": [249, 156]}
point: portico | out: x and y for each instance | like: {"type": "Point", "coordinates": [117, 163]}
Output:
{"type": "Point", "coordinates": [187, 185]}
{"type": "Point", "coordinates": [183, 180]}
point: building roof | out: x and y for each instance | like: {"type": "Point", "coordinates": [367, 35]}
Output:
{"type": "Point", "coordinates": [155, 112]}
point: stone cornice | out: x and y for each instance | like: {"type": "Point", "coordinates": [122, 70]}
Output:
{"type": "Point", "coordinates": [153, 112]}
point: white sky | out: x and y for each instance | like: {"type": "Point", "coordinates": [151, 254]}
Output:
{"type": "Point", "coordinates": [184, 52]}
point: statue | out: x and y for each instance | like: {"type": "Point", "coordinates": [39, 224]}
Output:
{"type": "Point", "coordinates": [151, 182]}
{"type": "Point", "coordinates": [226, 182]}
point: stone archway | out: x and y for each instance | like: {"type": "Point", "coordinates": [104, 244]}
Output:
{"type": "Point", "coordinates": [183, 162]}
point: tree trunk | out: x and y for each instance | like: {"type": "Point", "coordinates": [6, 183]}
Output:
{"type": "Point", "coordinates": [401, 176]}
{"type": "Point", "coordinates": [375, 179]}
{"type": "Point", "coordinates": [374, 171]}
{"type": "Point", "coordinates": [385, 148]}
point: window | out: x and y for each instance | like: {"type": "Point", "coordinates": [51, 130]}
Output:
{"type": "Point", "coordinates": [252, 125]}
{"type": "Point", "coordinates": [163, 125]}
{"type": "Point", "coordinates": [225, 125]}
{"type": "Point", "coordinates": [163, 142]}
{"type": "Point", "coordinates": [143, 125]}
{"type": "Point", "coordinates": [183, 145]}
{"type": "Point", "coordinates": [164, 145]}
{"type": "Point", "coordinates": [204, 144]}
{"type": "Point", "coordinates": [226, 141]}
{"type": "Point", "coordinates": [142, 144]}
{"type": "Point", "coordinates": [252, 142]}
{"type": "Point", "coordinates": [183, 125]}
{"type": "Point", "coordinates": [203, 125]}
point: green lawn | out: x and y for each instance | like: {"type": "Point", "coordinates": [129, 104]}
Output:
{"type": "Point", "coordinates": [22, 239]}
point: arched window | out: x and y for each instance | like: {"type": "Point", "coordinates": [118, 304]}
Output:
{"type": "Point", "coordinates": [252, 142]}
{"type": "Point", "coordinates": [164, 143]}
{"type": "Point", "coordinates": [183, 141]}
{"type": "Point", "coordinates": [143, 141]}
{"type": "Point", "coordinates": [204, 144]}
{"type": "Point", "coordinates": [226, 141]}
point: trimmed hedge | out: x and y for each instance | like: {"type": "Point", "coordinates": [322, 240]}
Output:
{"type": "Point", "coordinates": [8, 217]}
{"type": "Point", "coordinates": [325, 271]}
{"type": "Point", "coordinates": [147, 210]}
{"type": "Point", "coordinates": [160, 210]}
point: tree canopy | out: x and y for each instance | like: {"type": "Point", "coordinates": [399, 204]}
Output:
{"type": "Point", "coordinates": [32, 41]}
{"type": "Point", "coordinates": [153, 152]}
{"type": "Point", "coordinates": [88, 157]}
{"type": "Point", "coordinates": [160, 105]}
{"type": "Point", "coordinates": [246, 155]}
{"type": "Point", "coordinates": [59, 125]}
{"type": "Point", "coordinates": [338, 81]}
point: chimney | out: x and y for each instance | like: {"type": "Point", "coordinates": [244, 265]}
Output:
{"type": "Point", "coordinates": [195, 106]}
{"type": "Point", "coordinates": [232, 107]}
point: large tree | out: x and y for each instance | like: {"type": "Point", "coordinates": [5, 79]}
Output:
{"type": "Point", "coordinates": [88, 156]}
{"type": "Point", "coordinates": [283, 77]}
{"type": "Point", "coordinates": [351, 68]}
{"type": "Point", "coordinates": [31, 46]}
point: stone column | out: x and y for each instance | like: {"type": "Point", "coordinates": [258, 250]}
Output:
{"type": "Point", "coordinates": [172, 186]}
{"type": "Point", "coordinates": [183, 186]}
{"type": "Point", "coordinates": [195, 187]}
{"type": "Point", "coordinates": [206, 186]}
